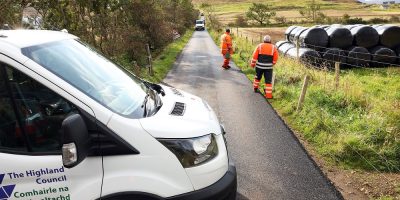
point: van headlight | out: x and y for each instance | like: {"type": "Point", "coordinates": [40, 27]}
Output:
{"type": "Point", "coordinates": [193, 151]}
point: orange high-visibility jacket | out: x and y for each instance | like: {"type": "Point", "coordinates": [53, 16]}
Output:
{"type": "Point", "coordinates": [265, 56]}
{"type": "Point", "coordinates": [226, 43]}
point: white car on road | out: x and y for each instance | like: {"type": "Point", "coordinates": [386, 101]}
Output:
{"type": "Point", "coordinates": [113, 136]}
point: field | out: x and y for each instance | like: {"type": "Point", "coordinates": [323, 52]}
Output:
{"type": "Point", "coordinates": [226, 11]}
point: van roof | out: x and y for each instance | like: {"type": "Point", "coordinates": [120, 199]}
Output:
{"type": "Point", "coordinates": [25, 38]}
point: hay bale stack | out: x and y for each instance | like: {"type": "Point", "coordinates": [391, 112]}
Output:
{"type": "Point", "coordinates": [306, 55]}
{"type": "Point", "coordinates": [314, 38]}
{"type": "Point", "coordinates": [365, 36]}
{"type": "Point", "coordinates": [339, 37]}
{"type": "Point", "coordinates": [287, 32]}
{"type": "Point", "coordinates": [333, 55]}
{"type": "Point", "coordinates": [389, 36]}
{"type": "Point", "coordinates": [358, 56]}
{"type": "Point", "coordinates": [382, 56]}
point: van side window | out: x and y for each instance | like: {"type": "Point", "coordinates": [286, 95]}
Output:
{"type": "Point", "coordinates": [40, 111]}
{"type": "Point", "coordinates": [9, 140]}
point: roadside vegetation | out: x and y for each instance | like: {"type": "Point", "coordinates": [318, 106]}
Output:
{"type": "Point", "coordinates": [162, 63]}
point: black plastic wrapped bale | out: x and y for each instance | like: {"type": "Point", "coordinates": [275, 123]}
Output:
{"type": "Point", "coordinates": [339, 37]}
{"type": "Point", "coordinates": [284, 48]}
{"type": "Point", "coordinates": [365, 36]}
{"type": "Point", "coordinates": [297, 36]}
{"type": "Point", "coordinates": [314, 38]}
{"type": "Point", "coordinates": [333, 55]}
{"type": "Point", "coordinates": [287, 32]}
{"type": "Point", "coordinates": [293, 32]}
{"type": "Point", "coordinates": [280, 43]}
{"type": "Point", "coordinates": [306, 55]}
{"type": "Point", "coordinates": [398, 51]}
{"type": "Point", "coordinates": [389, 36]}
{"type": "Point", "coordinates": [358, 56]}
{"type": "Point", "coordinates": [382, 56]}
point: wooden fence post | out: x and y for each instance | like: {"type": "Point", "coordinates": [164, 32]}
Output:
{"type": "Point", "coordinates": [261, 40]}
{"type": "Point", "coordinates": [237, 31]}
{"type": "Point", "coordinates": [303, 93]}
{"type": "Point", "coordinates": [337, 74]}
{"type": "Point", "coordinates": [150, 59]}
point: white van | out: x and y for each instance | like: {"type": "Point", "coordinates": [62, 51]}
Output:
{"type": "Point", "coordinates": [74, 125]}
{"type": "Point", "coordinates": [200, 25]}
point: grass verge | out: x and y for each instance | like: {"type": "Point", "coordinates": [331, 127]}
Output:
{"type": "Point", "coordinates": [162, 63]}
{"type": "Point", "coordinates": [355, 126]}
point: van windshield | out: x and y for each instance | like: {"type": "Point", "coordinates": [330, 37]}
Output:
{"type": "Point", "coordinates": [93, 74]}
{"type": "Point", "coordinates": [199, 21]}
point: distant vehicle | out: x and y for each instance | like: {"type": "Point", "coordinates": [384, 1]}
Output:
{"type": "Point", "coordinates": [200, 25]}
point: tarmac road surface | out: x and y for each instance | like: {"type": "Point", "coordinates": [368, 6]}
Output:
{"type": "Point", "coordinates": [270, 162]}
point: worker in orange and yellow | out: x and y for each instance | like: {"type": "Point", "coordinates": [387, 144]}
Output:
{"type": "Point", "coordinates": [265, 57]}
{"type": "Point", "coordinates": [226, 48]}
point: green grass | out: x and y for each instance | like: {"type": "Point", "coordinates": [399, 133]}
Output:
{"type": "Point", "coordinates": [162, 63]}
{"type": "Point", "coordinates": [356, 126]}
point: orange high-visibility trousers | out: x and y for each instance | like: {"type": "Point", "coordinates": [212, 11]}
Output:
{"type": "Point", "coordinates": [268, 81]}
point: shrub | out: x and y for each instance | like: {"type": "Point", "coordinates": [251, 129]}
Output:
{"type": "Point", "coordinates": [377, 20]}
{"type": "Point", "coordinates": [240, 21]}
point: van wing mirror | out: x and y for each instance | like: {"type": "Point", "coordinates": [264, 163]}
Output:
{"type": "Point", "coordinates": [75, 141]}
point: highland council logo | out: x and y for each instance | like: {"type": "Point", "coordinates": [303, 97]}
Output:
{"type": "Point", "coordinates": [6, 190]}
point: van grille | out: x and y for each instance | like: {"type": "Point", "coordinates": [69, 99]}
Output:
{"type": "Point", "coordinates": [176, 92]}
{"type": "Point", "coordinates": [179, 109]}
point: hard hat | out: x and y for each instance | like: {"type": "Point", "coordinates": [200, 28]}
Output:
{"type": "Point", "coordinates": [267, 38]}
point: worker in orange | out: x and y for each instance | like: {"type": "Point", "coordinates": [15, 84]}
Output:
{"type": "Point", "coordinates": [226, 48]}
{"type": "Point", "coordinates": [265, 57]}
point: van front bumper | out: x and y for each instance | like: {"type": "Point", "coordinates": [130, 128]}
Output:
{"type": "Point", "coordinates": [224, 189]}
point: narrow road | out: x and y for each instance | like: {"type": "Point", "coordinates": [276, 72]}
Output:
{"type": "Point", "coordinates": [271, 163]}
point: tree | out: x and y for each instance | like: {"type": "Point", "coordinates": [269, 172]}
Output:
{"type": "Point", "coordinates": [10, 12]}
{"type": "Point", "coordinates": [312, 11]}
{"type": "Point", "coordinates": [260, 13]}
